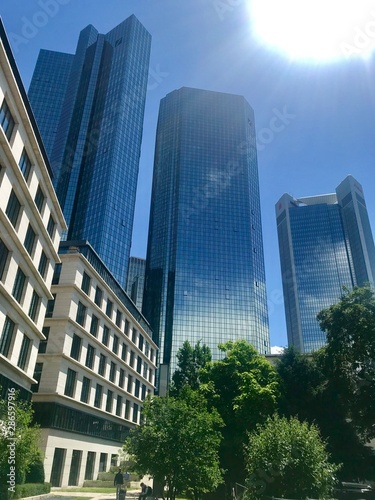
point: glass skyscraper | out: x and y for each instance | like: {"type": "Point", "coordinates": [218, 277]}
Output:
{"type": "Point", "coordinates": [90, 107]}
{"type": "Point", "coordinates": [205, 278]}
{"type": "Point", "coordinates": [325, 243]}
{"type": "Point", "coordinates": [136, 280]}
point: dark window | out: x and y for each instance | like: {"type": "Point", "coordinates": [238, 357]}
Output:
{"type": "Point", "coordinates": [4, 252]}
{"type": "Point", "coordinates": [39, 199]}
{"type": "Point", "coordinates": [51, 226]}
{"type": "Point", "coordinates": [109, 404]}
{"type": "Point", "coordinates": [24, 352]}
{"type": "Point", "coordinates": [81, 314]}
{"type": "Point", "coordinates": [29, 239]}
{"type": "Point", "coordinates": [37, 376]}
{"type": "Point", "coordinates": [140, 342]}
{"type": "Point", "coordinates": [43, 264]}
{"type": "Point", "coordinates": [70, 383]}
{"type": "Point", "coordinates": [118, 318]}
{"type": "Point", "coordinates": [90, 356]}
{"type": "Point", "coordinates": [56, 274]}
{"type": "Point", "coordinates": [98, 296]}
{"type": "Point", "coordinates": [86, 383]}
{"type": "Point", "coordinates": [131, 362]}
{"type": "Point", "coordinates": [13, 208]}
{"type": "Point", "coordinates": [121, 379]}
{"type": "Point", "coordinates": [112, 372]}
{"type": "Point", "coordinates": [109, 308]}
{"type": "Point", "coordinates": [105, 338]}
{"type": "Point", "coordinates": [6, 336]}
{"type": "Point", "coordinates": [143, 395]}
{"type": "Point", "coordinates": [139, 364]}
{"type": "Point", "coordinates": [124, 351]}
{"type": "Point", "coordinates": [94, 325]}
{"type": "Point", "coordinates": [103, 462]}
{"type": "Point", "coordinates": [19, 284]}
{"type": "Point", "coordinates": [130, 384]}
{"type": "Point", "coordinates": [118, 406]}
{"type": "Point", "coordinates": [102, 363]}
{"type": "Point", "coordinates": [145, 369]}
{"type": "Point", "coordinates": [6, 120]}
{"type": "Point", "coordinates": [152, 354]}
{"type": "Point", "coordinates": [135, 412]}
{"type": "Point", "coordinates": [98, 396]}
{"type": "Point", "coordinates": [43, 343]}
{"type": "Point", "coordinates": [136, 388]}
{"type": "Point", "coordinates": [115, 344]}
{"type": "Point", "coordinates": [86, 281]}
{"type": "Point", "coordinates": [147, 349]}
{"type": "Point", "coordinates": [75, 350]}
{"type": "Point", "coordinates": [134, 335]}
{"type": "Point", "coordinates": [25, 164]}
{"type": "Point", "coordinates": [90, 463]}
{"type": "Point", "coordinates": [127, 326]}
{"type": "Point", "coordinates": [127, 409]}
{"type": "Point", "coordinates": [50, 306]}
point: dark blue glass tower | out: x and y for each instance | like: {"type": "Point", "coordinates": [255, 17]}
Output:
{"type": "Point", "coordinates": [325, 243]}
{"type": "Point", "coordinates": [205, 276]}
{"type": "Point", "coordinates": [90, 107]}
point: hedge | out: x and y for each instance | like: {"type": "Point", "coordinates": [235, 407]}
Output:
{"type": "Point", "coordinates": [25, 490]}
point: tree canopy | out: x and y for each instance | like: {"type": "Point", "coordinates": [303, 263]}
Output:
{"type": "Point", "coordinates": [308, 393]}
{"type": "Point", "coordinates": [349, 356]}
{"type": "Point", "coordinates": [178, 443]}
{"type": "Point", "coordinates": [19, 438]}
{"type": "Point", "coordinates": [190, 360]}
{"type": "Point", "coordinates": [244, 388]}
{"type": "Point", "coordinates": [287, 458]}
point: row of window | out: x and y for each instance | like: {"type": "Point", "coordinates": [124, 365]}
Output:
{"type": "Point", "coordinates": [98, 299]}
{"type": "Point", "coordinates": [7, 337]}
{"type": "Point", "coordinates": [13, 210]}
{"type": "Point", "coordinates": [141, 367]}
{"type": "Point", "coordinates": [70, 389]}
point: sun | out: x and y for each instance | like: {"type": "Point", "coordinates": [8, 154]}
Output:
{"type": "Point", "coordinates": [320, 30]}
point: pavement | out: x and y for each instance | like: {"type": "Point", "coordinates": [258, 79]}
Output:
{"type": "Point", "coordinates": [66, 495]}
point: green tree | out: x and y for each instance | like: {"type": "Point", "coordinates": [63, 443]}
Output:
{"type": "Point", "coordinates": [349, 357]}
{"type": "Point", "coordinates": [244, 389]}
{"type": "Point", "coordinates": [189, 362]}
{"type": "Point", "coordinates": [19, 438]}
{"type": "Point", "coordinates": [308, 393]}
{"type": "Point", "coordinates": [287, 458]}
{"type": "Point", "coordinates": [177, 443]}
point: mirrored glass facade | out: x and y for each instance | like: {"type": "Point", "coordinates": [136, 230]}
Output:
{"type": "Point", "coordinates": [91, 106]}
{"type": "Point", "coordinates": [205, 277]}
{"type": "Point", "coordinates": [325, 243]}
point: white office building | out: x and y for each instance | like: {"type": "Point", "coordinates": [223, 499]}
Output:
{"type": "Point", "coordinates": [94, 370]}
{"type": "Point", "coordinates": [31, 223]}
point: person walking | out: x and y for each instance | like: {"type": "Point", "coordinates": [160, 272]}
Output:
{"type": "Point", "coordinates": [118, 482]}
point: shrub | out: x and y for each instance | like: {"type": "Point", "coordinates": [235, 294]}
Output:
{"type": "Point", "coordinates": [287, 458]}
{"type": "Point", "coordinates": [25, 490]}
{"type": "Point", "coordinates": [36, 472]}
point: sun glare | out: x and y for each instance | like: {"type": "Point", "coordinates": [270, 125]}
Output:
{"type": "Point", "coordinates": [320, 30]}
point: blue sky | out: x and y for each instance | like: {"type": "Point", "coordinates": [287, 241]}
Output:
{"type": "Point", "coordinates": [326, 129]}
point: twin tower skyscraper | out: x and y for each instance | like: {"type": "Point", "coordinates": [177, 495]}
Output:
{"type": "Point", "coordinates": [205, 276]}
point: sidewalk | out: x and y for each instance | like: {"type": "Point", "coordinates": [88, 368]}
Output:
{"type": "Point", "coordinates": [66, 495]}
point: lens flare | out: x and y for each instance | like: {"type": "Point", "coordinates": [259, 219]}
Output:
{"type": "Point", "coordinates": [321, 30]}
